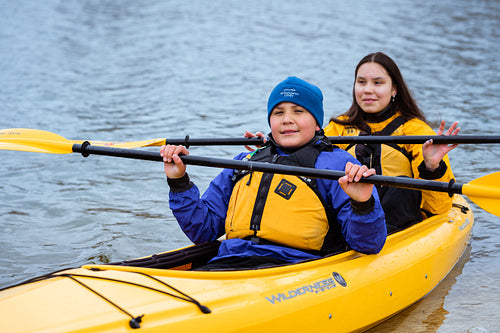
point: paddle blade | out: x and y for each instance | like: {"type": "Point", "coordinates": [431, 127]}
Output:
{"type": "Point", "coordinates": [127, 145]}
{"type": "Point", "coordinates": [32, 140]}
{"type": "Point", "coordinates": [38, 141]}
{"type": "Point", "coordinates": [485, 192]}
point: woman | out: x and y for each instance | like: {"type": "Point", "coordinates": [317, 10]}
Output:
{"type": "Point", "coordinates": [272, 218]}
{"type": "Point", "coordinates": [383, 105]}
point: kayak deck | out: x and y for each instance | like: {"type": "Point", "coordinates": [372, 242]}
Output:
{"type": "Point", "coordinates": [343, 293]}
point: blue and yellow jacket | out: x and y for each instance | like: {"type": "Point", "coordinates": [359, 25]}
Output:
{"type": "Point", "coordinates": [204, 218]}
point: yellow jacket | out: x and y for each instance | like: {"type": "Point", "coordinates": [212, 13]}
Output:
{"type": "Point", "coordinates": [394, 163]}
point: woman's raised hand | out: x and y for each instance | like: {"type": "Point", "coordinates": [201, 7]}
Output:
{"type": "Point", "coordinates": [434, 153]}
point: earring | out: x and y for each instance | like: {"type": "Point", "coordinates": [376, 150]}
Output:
{"type": "Point", "coordinates": [393, 98]}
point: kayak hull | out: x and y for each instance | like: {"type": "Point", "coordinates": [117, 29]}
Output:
{"type": "Point", "coordinates": [347, 292]}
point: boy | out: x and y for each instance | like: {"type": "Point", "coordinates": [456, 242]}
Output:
{"type": "Point", "coordinates": [276, 219]}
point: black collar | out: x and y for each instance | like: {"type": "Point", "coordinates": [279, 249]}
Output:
{"type": "Point", "coordinates": [319, 136]}
{"type": "Point", "coordinates": [381, 116]}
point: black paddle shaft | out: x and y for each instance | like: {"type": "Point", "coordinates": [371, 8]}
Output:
{"type": "Point", "coordinates": [407, 139]}
{"type": "Point", "coordinates": [86, 149]}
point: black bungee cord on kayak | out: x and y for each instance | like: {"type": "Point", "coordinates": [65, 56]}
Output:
{"type": "Point", "coordinates": [134, 321]}
{"type": "Point", "coordinates": [188, 298]}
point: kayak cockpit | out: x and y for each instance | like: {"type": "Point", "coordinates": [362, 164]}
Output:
{"type": "Point", "coordinates": [182, 259]}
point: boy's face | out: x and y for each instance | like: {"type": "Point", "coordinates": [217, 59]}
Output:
{"type": "Point", "coordinates": [292, 125]}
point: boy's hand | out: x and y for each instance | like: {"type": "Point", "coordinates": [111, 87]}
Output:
{"type": "Point", "coordinates": [353, 173]}
{"type": "Point", "coordinates": [174, 167]}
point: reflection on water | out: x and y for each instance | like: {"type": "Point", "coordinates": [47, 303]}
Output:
{"type": "Point", "coordinates": [428, 314]}
{"type": "Point", "coordinates": [127, 71]}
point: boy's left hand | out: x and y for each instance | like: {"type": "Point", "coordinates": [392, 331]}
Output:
{"type": "Point", "coordinates": [353, 173]}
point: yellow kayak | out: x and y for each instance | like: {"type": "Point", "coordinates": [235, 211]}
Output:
{"type": "Point", "coordinates": [347, 292]}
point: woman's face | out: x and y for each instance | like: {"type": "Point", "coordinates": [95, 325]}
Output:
{"type": "Point", "coordinates": [373, 87]}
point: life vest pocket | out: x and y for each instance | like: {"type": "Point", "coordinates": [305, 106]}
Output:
{"type": "Point", "coordinates": [285, 189]}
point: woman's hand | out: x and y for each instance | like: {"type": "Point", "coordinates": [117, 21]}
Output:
{"type": "Point", "coordinates": [251, 135]}
{"type": "Point", "coordinates": [434, 153]}
{"type": "Point", "coordinates": [353, 173]}
{"type": "Point", "coordinates": [174, 167]}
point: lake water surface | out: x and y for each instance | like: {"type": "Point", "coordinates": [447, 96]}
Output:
{"type": "Point", "coordinates": [134, 70]}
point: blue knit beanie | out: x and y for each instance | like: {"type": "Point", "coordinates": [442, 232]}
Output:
{"type": "Point", "coordinates": [300, 92]}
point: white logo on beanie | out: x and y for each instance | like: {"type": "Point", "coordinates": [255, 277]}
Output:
{"type": "Point", "coordinates": [289, 92]}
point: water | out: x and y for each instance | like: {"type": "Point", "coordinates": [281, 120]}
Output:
{"type": "Point", "coordinates": [127, 71]}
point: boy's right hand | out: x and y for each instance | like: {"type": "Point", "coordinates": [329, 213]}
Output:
{"type": "Point", "coordinates": [174, 167]}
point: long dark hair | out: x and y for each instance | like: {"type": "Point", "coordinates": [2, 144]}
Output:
{"type": "Point", "coordinates": [404, 101]}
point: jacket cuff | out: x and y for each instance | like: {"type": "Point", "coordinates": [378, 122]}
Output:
{"type": "Point", "coordinates": [180, 184]}
{"type": "Point", "coordinates": [363, 208]}
{"type": "Point", "coordinates": [431, 175]}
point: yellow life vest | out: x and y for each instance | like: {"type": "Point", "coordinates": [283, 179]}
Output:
{"type": "Point", "coordinates": [282, 209]}
{"type": "Point", "coordinates": [394, 162]}
{"type": "Point", "coordinates": [387, 159]}
{"type": "Point", "coordinates": [291, 213]}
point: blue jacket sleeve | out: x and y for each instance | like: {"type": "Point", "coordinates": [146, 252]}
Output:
{"type": "Point", "coordinates": [363, 233]}
{"type": "Point", "coordinates": [203, 218]}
